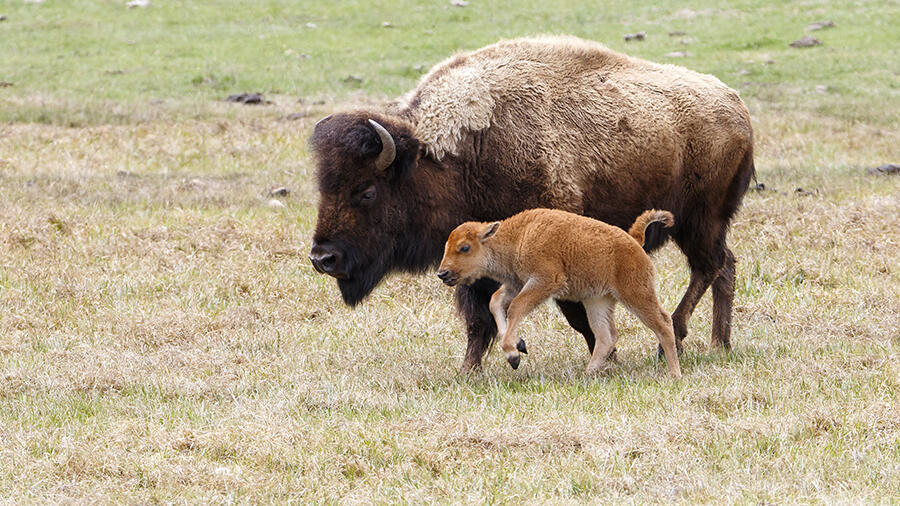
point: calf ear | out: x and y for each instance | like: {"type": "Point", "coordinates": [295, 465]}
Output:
{"type": "Point", "coordinates": [489, 231]}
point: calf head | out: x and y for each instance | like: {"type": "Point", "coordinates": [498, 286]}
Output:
{"type": "Point", "coordinates": [366, 201]}
{"type": "Point", "coordinates": [466, 254]}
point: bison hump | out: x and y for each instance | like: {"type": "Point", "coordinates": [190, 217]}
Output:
{"type": "Point", "coordinates": [448, 104]}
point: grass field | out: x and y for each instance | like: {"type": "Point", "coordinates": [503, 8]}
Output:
{"type": "Point", "coordinates": [163, 337]}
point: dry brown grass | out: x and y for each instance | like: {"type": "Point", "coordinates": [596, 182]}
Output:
{"type": "Point", "coordinates": [163, 337]}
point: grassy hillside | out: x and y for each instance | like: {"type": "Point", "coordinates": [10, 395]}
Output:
{"type": "Point", "coordinates": [164, 338]}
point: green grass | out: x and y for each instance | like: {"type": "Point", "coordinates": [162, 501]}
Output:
{"type": "Point", "coordinates": [164, 338]}
{"type": "Point", "coordinates": [87, 62]}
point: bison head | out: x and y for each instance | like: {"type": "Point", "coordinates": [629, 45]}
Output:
{"type": "Point", "coordinates": [367, 204]}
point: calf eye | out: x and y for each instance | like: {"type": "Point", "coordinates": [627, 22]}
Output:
{"type": "Point", "coordinates": [464, 248]}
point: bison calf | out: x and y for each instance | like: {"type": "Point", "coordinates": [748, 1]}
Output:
{"type": "Point", "coordinates": [543, 253]}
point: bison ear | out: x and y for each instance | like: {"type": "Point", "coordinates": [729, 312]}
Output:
{"type": "Point", "coordinates": [406, 158]}
{"type": "Point", "coordinates": [489, 231]}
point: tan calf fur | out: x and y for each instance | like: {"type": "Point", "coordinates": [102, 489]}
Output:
{"type": "Point", "coordinates": [543, 253]}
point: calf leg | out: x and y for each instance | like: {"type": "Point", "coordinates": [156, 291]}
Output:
{"type": "Point", "coordinates": [577, 317]}
{"type": "Point", "coordinates": [723, 300]}
{"type": "Point", "coordinates": [532, 294]}
{"type": "Point", "coordinates": [473, 304]}
{"type": "Point", "coordinates": [600, 315]}
{"type": "Point", "coordinates": [500, 302]}
{"type": "Point", "coordinates": [613, 332]}
{"type": "Point", "coordinates": [640, 299]}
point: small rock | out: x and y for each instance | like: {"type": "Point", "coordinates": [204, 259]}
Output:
{"type": "Point", "coordinates": [885, 170]}
{"type": "Point", "coordinates": [758, 187]}
{"type": "Point", "coordinates": [6, 84]}
{"type": "Point", "coordinates": [743, 72]}
{"type": "Point", "coordinates": [3, 17]}
{"type": "Point", "coordinates": [281, 191]}
{"type": "Point", "coordinates": [820, 88]}
{"type": "Point", "coordinates": [137, 3]}
{"type": "Point", "coordinates": [677, 33]}
{"type": "Point", "coordinates": [311, 25]}
{"type": "Point", "coordinates": [34, 1]}
{"type": "Point", "coordinates": [769, 62]}
{"type": "Point", "coordinates": [818, 25]}
{"type": "Point", "coordinates": [387, 24]}
{"type": "Point", "coordinates": [353, 79]}
{"type": "Point", "coordinates": [677, 54]}
{"type": "Point", "coordinates": [635, 36]}
{"type": "Point", "coordinates": [800, 192]}
{"type": "Point", "coordinates": [459, 3]}
{"type": "Point", "coordinates": [275, 203]}
{"type": "Point", "coordinates": [247, 98]}
{"type": "Point", "coordinates": [806, 41]}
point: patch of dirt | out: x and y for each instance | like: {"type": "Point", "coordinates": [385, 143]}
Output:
{"type": "Point", "coordinates": [806, 41]}
{"type": "Point", "coordinates": [248, 99]}
{"type": "Point", "coordinates": [885, 170]}
{"type": "Point", "coordinates": [819, 25]}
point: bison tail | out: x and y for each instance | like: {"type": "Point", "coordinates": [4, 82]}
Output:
{"type": "Point", "coordinates": [645, 219]}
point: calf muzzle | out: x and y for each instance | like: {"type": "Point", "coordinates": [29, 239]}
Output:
{"type": "Point", "coordinates": [447, 277]}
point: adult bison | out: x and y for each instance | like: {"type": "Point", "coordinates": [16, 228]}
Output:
{"type": "Point", "coordinates": [554, 122]}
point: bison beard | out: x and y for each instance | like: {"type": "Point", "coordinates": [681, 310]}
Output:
{"type": "Point", "coordinates": [363, 274]}
{"type": "Point", "coordinates": [409, 253]}
{"type": "Point", "coordinates": [553, 122]}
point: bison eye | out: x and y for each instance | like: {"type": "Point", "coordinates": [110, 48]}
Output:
{"type": "Point", "coordinates": [464, 248]}
{"type": "Point", "coordinates": [368, 196]}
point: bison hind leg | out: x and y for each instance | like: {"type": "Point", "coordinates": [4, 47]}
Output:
{"type": "Point", "coordinates": [723, 301]}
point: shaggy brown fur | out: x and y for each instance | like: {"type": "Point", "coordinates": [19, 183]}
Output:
{"type": "Point", "coordinates": [543, 253]}
{"type": "Point", "coordinates": [553, 122]}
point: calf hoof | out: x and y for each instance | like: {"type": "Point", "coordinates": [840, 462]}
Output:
{"type": "Point", "coordinates": [514, 360]}
{"type": "Point", "coordinates": [521, 346]}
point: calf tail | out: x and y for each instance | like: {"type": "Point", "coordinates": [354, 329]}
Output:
{"type": "Point", "coordinates": [645, 219]}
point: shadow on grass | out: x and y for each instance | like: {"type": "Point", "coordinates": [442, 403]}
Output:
{"type": "Point", "coordinates": [629, 373]}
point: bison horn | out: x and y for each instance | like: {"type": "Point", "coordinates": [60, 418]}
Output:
{"type": "Point", "coordinates": [326, 118]}
{"type": "Point", "coordinates": [388, 149]}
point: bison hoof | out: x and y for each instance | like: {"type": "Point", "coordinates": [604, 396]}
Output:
{"type": "Point", "coordinates": [521, 346]}
{"type": "Point", "coordinates": [514, 360]}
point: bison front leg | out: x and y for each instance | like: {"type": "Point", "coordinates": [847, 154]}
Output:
{"type": "Point", "coordinates": [473, 303]}
{"type": "Point", "coordinates": [577, 317]}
